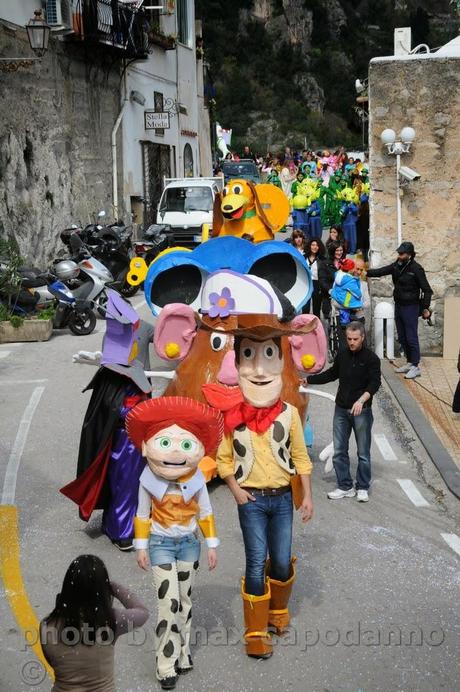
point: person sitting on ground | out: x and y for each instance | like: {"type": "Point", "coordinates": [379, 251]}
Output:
{"type": "Point", "coordinates": [78, 636]}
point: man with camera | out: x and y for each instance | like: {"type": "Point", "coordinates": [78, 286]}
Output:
{"type": "Point", "coordinates": [412, 295]}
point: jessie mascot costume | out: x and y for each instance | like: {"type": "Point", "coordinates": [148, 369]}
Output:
{"type": "Point", "coordinates": [173, 434]}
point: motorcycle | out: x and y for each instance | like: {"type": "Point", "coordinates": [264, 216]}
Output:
{"type": "Point", "coordinates": [115, 252]}
{"type": "Point", "coordinates": [71, 312]}
{"type": "Point", "coordinates": [156, 240]}
{"type": "Point", "coordinates": [39, 291]}
{"type": "Point", "coordinates": [111, 245]}
{"type": "Point", "coordinates": [93, 277]}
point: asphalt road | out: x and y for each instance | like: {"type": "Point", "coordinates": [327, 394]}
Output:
{"type": "Point", "coordinates": [375, 606]}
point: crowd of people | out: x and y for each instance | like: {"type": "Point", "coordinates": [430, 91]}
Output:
{"type": "Point", "coordinates": [325, 189]}
{"type": "Point", "coordinates": [258, 441]}
{"type": "Point", "coordinates": [335, 276]}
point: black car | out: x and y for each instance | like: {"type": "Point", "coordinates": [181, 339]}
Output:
{"type": "Point", "coordinates": [245, 169]}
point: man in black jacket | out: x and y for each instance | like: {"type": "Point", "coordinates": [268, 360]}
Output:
{"type": "Point", "coordinates": [412, 295]}
{"type": "Point", "coordinates": [358, 371]}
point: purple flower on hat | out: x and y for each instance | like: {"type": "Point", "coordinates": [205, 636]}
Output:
{"type": "Point", "coordinates": [222, 304]}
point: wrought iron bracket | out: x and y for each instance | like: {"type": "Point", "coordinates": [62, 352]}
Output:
{"type": "Point", "coordinates": [14, 64]}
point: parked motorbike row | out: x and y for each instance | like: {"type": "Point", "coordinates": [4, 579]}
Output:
{"type": "Point", "coordinates": [99, 258]}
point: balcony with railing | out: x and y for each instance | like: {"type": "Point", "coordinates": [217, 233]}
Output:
{"type": "Point", "coordinates": [115, 24]}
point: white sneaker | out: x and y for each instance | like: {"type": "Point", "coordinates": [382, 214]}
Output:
{"type": "Point", "coordinates": [404, 368]}
{"type": "Point", "coordinates": [413, 372]}
{"type": "Point", "coordinates": [338, 494]}
{"type": "Point", "coordinates": [363, 496]}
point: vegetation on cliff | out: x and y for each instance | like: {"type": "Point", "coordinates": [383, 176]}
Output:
{"type": "Point", "coordinates": [284, 70]}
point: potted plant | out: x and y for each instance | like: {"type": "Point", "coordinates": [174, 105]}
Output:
{"type": "Point", "coordinates": [13, 325]}
{"type": "Point", "coordinates": [158, 38]}
{"type": "Point", "coordinates": [199, 48]}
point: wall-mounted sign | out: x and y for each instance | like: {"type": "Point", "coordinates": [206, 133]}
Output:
{"type": "Point", "coordinates": [188, 133]}
{"type": "Point", "coordinates": [155, 121]}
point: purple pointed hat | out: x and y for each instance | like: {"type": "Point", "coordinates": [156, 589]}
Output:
{"type": "Point", "coordinates": [121, 345]}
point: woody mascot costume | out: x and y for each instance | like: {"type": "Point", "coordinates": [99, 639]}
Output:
{"type": "Point", "coordinates": [262, 457]}
{"type": "Point", "coordinates": [173, 434]}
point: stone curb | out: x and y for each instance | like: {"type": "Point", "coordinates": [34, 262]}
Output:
{"type": "Point", "coordinates": [424, 431]}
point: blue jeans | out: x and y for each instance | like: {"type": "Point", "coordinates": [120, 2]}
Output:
{"type": "Point", "coordinates": [406, 318]}
{"type": "Point", "coordinates": [344, 423]}
{"type": "Point", "coordinates": [266, 524]}
{"type": "Point", "coordinates": [165, 550]}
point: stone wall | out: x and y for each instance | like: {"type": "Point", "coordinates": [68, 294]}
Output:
{"type": "Point", "coordinates": [425, 94]}
{"type": "Point", "coordinates": [56, 118]}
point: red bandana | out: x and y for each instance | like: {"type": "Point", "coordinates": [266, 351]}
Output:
{"type": "Point", "coordinates": [237, 411]}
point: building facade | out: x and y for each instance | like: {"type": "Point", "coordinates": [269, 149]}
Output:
{"type": "Point", "coordinates": [170, 82]}
{"type": "Point", "coordinates": [58, 115]}
{"type": "Point", "coordinates": [423, 92]}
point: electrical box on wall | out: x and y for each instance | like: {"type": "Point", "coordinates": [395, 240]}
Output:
{"type": "Point", "coordinates": [402, 40]}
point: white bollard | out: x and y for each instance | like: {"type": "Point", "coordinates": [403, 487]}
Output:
{"type": "Point", "coordinates": [384, 315]}
{"type": "Point", "coordinates": [378, 336]}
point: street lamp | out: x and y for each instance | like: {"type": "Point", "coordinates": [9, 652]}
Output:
{"type": "Point", "coordinates": [396, 147]}
{"type": "Point", "coordinates": [362, 107]}
{"type": "Point", "coordinates": [38, 33]}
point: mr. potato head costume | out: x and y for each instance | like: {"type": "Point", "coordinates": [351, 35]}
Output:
{"type": "Point", "coordinates": [205, 351]}
{"type": "Point", "coordinates": [173, 434]}
{"type": "Point", "coordinates": [263, 455]}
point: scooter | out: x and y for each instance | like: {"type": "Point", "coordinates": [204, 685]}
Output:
{"type": "Point", "coordinates": [71, 312]}
{"type": "Point", "coordinates": [39, 291]}
{"type": "Point", "coordinates": [93, 278]}
{"type": "Point", "coordinates": [114, 250]}
{"type": "Point", "coordinates": [156, 239]}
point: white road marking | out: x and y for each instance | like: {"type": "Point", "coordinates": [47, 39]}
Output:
{"type": "Point", "coordinates": [453, 541]}
{"type": "Point", "coordinates": [384, 446]}
{"type": "Point", "coordinates": [4, 354]}
{"type": "Point", "coordinates": [412, 493]}
{"type": "Point", "coordinates": [12, 344]}
{"type": "Point", "coordinates": [10, 382]}
{"type": "Point", "coordinates": [140, 304]}
{"type": "Point", "coordinates": [9, 484]}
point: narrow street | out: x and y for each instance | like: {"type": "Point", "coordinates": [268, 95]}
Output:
{"type": "Point", "coordinates": [375, 605]}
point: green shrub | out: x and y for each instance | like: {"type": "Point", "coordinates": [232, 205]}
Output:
{"type": "Point", "coordinates": [46, 314]}
{"type": "Point", "coordinates": [16, 321]}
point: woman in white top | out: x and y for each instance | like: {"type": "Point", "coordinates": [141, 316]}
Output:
{"type": "Point", "coordinates": [314, 252]}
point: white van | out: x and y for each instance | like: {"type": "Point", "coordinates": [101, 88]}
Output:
{"type": "Point", "coordinates": [186, 204]}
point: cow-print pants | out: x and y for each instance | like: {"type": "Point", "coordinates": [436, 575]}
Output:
{"type": "Point", "coordinates": [173, 585]}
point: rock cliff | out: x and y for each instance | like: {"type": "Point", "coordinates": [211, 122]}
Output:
{"type": "Point", "coordinates": [285, 69]}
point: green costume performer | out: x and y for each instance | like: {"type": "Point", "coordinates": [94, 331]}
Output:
{"type": "Point", "coordinates": [273, 179]}
{"type": "Point", "coordinates": [330, 213]}
{"type": "Point", "coordinates": [296, 183]}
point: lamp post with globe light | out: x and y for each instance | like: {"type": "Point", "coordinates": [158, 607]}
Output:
{"type": "Point", "coordinates": [396, 147]}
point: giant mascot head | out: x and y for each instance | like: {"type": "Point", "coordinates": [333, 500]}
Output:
{"type": "Point", "coordinates": [178, 290]}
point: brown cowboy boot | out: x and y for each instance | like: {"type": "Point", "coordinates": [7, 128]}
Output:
{"type": "Point", "coordinates": [256, 635]}
{"type": "Point", "coordinates": [278, 615]}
